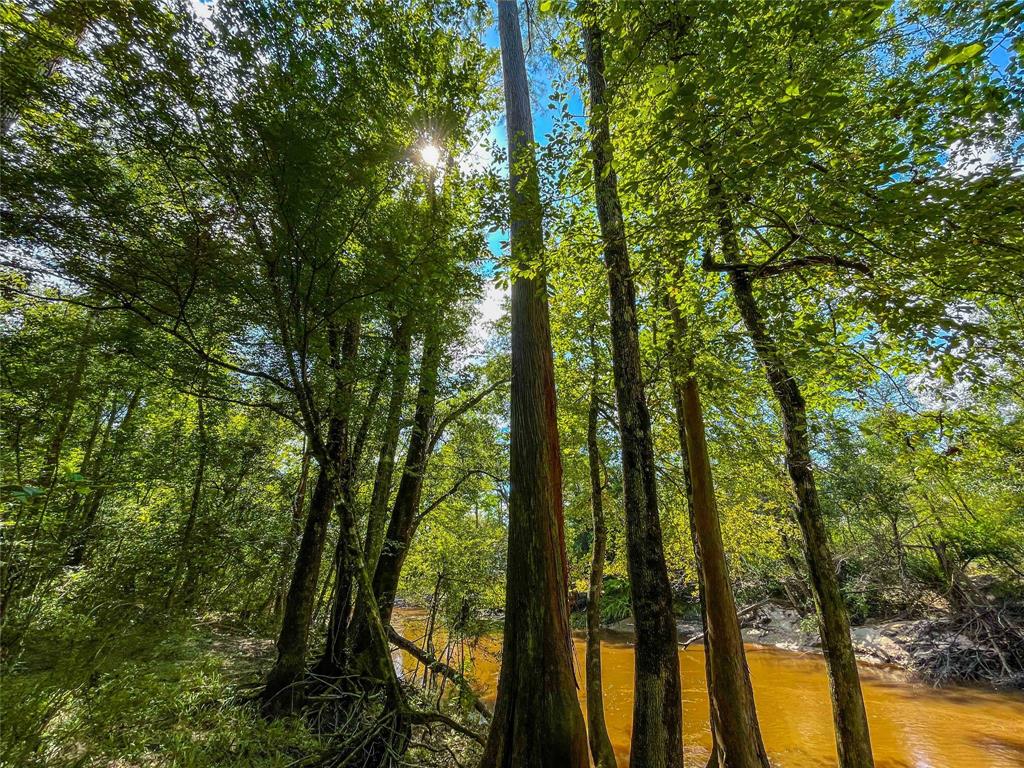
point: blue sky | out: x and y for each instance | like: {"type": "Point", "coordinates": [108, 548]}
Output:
{"type": "Point", "coordinates": [539, 71]}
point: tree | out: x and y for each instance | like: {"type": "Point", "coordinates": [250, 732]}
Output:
{"type": "Point", "coordinates": [657, 705]}
{"type": "Point", "coordinates": [736, 734]}
{"type": "Point", "coordinates": [537, 719]}
{"type": "Point", "coordinates": [600, 743]}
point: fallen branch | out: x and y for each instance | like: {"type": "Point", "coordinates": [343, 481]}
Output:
{"type": "Point", "coordinates": [438, 667]}
{"type": "Point", "coordinates": [416, 717]}
{"type": "Point", "coordinates": [739, 615]}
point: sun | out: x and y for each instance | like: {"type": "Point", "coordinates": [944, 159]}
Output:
{"type": "Point", "coordinates": [431, 155]}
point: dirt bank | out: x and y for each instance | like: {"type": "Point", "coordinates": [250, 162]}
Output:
{"type": "Point", "coordinates": [939, 649]}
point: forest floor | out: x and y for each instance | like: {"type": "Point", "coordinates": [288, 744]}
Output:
{"type": "Point", "coordinates": [179, 692]}
{"type": "Point", "coordinates": [147, 695]}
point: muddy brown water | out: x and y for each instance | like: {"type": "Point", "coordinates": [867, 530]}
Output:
{"type": "Point", "coordinates": [913, 725]}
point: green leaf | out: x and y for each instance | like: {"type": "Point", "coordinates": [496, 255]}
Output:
{"type": "Point", "coordinates": [950, 55]}
{"type": "Point", "coordinates": [792, 91]}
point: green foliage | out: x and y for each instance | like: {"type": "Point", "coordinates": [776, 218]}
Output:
{"type": "Point", "coordinates": [615, 604]}
{"type": "Point", "coordinates": [163, 694]}
{"type": "Point", "coordinates": [195, 211]}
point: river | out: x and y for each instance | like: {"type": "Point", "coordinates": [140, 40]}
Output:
{"type": "Point", "coordinates": [912, 725]}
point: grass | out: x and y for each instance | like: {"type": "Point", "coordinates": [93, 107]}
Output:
{"type": "Point", "coordinates": [144, 695]}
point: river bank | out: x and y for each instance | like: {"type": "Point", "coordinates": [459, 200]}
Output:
{"type": "Point", "coordinates": [935, 650]}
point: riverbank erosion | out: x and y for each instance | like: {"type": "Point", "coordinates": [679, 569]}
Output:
{"type": "Point", "coordinates": [982, 647]}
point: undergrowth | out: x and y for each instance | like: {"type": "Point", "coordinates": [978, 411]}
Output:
{"type": "Point", "coordinates": [144, 694]}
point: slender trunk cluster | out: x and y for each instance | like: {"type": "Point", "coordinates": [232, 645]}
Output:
{"type": "Point", "coordinates": [410, 488]}
{"type": "Point", "coordinates": [280, 692]}
{"type": "Point", "coordinates": [113, 445]}
{"type": "Point", "coordinates": [298, 605]}
{"type": "Point", "coordinates": [402, 523]}
{"type": "Point", "coordinates": [657, 706]}
{"type": "Point", "coordinates": [537, 718]}
{"type": "Point", "coordinates": [375, 521]}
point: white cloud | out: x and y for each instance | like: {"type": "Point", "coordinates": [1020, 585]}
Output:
{"type": "Point", "coordinates": [489, 309]}
{"type": "Point", "coordinates": [203, 9]}
{"type": "Point", "coordinates": [970, 159]}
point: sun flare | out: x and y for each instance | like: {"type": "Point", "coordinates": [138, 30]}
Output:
{"type": "Point", "coordinates": [431, 155]}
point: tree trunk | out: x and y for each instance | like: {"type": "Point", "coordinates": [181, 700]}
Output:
{"type": "Point", "coordinates": [279, 693]}
{"type": "Point", "coordinates": [410, 487]}
{"type": "Point", "coordinates": [428, 639]}
{"type": "Point", "coordinates": [657, 704]}
{"type": "Point", "coordinates": [104, 474]}
{"type": "Point", "coordinates": [298, 606]}
{"type": "Point", "coordinates": [677, 403]}
{"type": "Point", "coordinates": [288, 550]}
{"type": "Point", "coordinates": [537, 718]}
{"type": "Point", "coordinates": [332, 659]}
{"type": "Point", "coordinates": [88, 465]}
{"type": "Point", "coordinates": [735, 730]}
{"type": "Point", "coordinates": [375, 520]}
{"type": "Point", "coordinates": [600, 744]}
{"type": "Point", "coordinates": [376, 660]}
{"type": "Point", "coordinates": [193, 507]}
{"type": "Point", "coordinates": [853, 741]}
{"type": "Point", "coordinates": [402, 524]}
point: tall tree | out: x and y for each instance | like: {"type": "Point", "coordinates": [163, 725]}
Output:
{"type": "Point", "coordinates": [280, 692]}
{"type": "Point", "coordinates": [331, 662]}
{"type": "Point", "coordinates": [402, 522]}
{"type": "Point", "coordinates": [853, 740]}
{"type": "Point", "coordinates": [597, 730]}
{"type": "Point", "coordinates": [537, 718]}
{"type": "Point", "coordinates": [376, 517]}
{"type": "Point", "coordinates": [736, 734]}
{"type": "Point", "coordinates": [657, 738]}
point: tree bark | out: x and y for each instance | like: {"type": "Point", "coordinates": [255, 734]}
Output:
{"type": "Point", "coordinates": [715, 727]}
{"type": "Point", "coordinates": [657, 704]}
{"type": "Point", "coordinates": [402, 523]}
{"type": "Point", "coordinates": [410, 487]}
{"type": "Point", "coordinates": [600, 744]}
{"type": "Point", "coordinates": [735, 729]}
{"type": "Point", "coordinates": [853, 741]}
{"type": "Point", "coordinates": [290, 665]}
{"type": "Point", "coordinates": [375, 521]}
{"type": "Point", "coordinates": [332, 660]}
{"type": "Point", "coordinates": [280, 694]}
{"type": "Point", "coordinates": [537, 718]}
